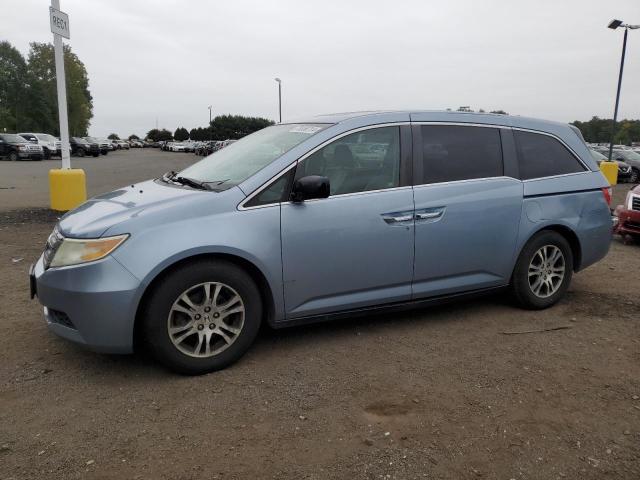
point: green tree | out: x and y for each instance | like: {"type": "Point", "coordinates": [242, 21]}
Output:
{"type": "Point", "coordinates": [13, 89]}
{"type": "Point", "coordinates": [598, 130]}
{"type": "Point", "coordinates": [181, 134]}
{"type": "Point", "coordinates": [156, 135]}
{"type": "Point", "coordinates": [42, 105]}
{"type": "Point", "coordinates": [225, 127]}
{"type": "Point", "coordinates": [113, 136]}
{"type": "Point", "coordinates": [133, 136]}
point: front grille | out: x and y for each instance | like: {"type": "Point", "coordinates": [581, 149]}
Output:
{"type": "Point", "coordinates": [53, 242]}
{"type": "Point", "coordinates": [61, 318]}
{"type": "Point", "coordinates": [633, 225]}
{"type": "Point", "coordinates": [635, 203]}
{"type": "Point", "coordinates": [34, 148]}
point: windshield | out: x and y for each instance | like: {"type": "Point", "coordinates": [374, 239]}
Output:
{"type": "Point", "coordinates": [45, 137]}
{"type": "Point", "coordinates": [628, 154]}
{"type": "Point", "coordinates": [12, 138]}
{"type": "Point", "coordinates": [79, 140]}
{"type": "Point", "coordinates": [235, 163]}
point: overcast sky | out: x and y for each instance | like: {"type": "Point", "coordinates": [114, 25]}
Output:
{"type": "Point", "coordinates": [168, 60]}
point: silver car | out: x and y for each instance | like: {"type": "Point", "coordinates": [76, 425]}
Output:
{"type": "Point", "coordinates": [325, 218]}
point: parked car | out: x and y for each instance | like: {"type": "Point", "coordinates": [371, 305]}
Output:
{"type": "Point", "coordinates": [177, 147]}
{"type": "Point", "coordinates": [80, 147]}
{"type": "Point", "coordinates": [628, 215]}
{"type": "Point", "coordinates": [136, 143]}
{"type": "Point", "coordinates": [14, 147]}
{"type": "Point", "coordinates": [51, 146]}
{"type": "Point", "coordinates": [105, 145]}
{"type": "Point", "coordinates": [627, 156]}
{"type": "Point", "coordinates": [289, 226]}
{"type": "Point", "coordinates": [624, 170]}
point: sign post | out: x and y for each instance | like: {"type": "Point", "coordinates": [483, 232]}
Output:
{"type": "Point", "coordinates": [60, 28]}
{"type": "Point", "coordinates": [67, 186]}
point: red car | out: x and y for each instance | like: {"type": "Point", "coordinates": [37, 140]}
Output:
{"type": "Point", "coordinates": [629, 214]}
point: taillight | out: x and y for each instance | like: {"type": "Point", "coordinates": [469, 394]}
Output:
{"type": "Point", "coordinates": [607, 195]}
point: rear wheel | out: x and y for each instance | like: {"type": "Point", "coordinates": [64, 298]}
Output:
{"type": "Point", "coordinates": [543, 271]}
{"type": "Point", "coordinates": [81, 152]}
{"type": "Point", "coordinates": [635, 175]}
{"type": "Point", "coordinates": [202, 317]}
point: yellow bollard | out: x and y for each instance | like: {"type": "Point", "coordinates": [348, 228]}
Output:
{"type": "Point", "coordinates": [67, 188]}
{"type": "Point", "coordinates": [610, 171]}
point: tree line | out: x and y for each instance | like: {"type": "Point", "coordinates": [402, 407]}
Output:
{"type": "Point", "coordinates": [222, 127]}
{"type": "Point", "coordinates": [598, 130]}
{"type": "Point", "coordinates": [28, 92]}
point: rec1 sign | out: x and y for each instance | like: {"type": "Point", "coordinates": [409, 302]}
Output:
{"type": "Point", "coordinates": [59, 22]}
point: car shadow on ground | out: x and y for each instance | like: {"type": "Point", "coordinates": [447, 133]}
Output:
{"type": "Point", "coordinates": [142, 367]}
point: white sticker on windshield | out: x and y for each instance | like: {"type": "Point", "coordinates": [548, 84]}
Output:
{"type": "Point", "coordinates": [304, 129]}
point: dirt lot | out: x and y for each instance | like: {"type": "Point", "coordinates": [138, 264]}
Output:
{"type": "Point", "coordinates": [434, 393]}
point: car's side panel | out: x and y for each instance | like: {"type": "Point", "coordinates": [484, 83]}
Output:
{"type": "Point", "coordinates": [252, 235]}
{"type": "Point", "coordinates": [575, 202]}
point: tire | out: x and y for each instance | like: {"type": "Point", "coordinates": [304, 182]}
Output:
{"type": "Point", "coordinates": [13, 156]}
{"type": "Point", "coordinates": [164, 309]}
{"type": "Point", "coordinates": [531, 260]}
{"type": "Point", "coordinates": [47, 154]}
{"type": "Point", "coordinates": [81, 152]}
{"type": "Point", "coordinates": [635, 175]}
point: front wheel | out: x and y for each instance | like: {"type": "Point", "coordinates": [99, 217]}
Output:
{"type": "Point", "coordinates": [202, 317]}
{"type": "Point", "coordinates": [543, 271]}
{"type": "Point", "coordinates": [635, 176]}
{"type": "Point", "coordinates": [81, 152]}
{"type": "Point", "coordinates": [13, 156]}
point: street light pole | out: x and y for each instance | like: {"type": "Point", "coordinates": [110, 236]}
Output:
{"type": "Point", "coordinates": [613, 25]}
{"type": "Point", "coordinates": [210, 132]}
{"type": "Point", "coordinates": [279, 99]}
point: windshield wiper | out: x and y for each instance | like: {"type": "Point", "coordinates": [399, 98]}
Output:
{"type": "Point", "coordinates": [191, 182]}
{"type": "Point", "coordinates": [172, 176]}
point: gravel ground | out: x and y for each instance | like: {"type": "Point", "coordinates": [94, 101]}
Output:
{"type": "Point", "coordinates": [440, 393]}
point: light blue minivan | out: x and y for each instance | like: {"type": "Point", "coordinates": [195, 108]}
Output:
{"type": "Point", "coordinates": [323, 218]}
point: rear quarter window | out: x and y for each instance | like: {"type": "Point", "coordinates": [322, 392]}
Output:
{"type": "Point", "coordinates": [541, 156]}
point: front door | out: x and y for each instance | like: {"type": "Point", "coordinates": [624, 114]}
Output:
{"type": "Point", "coordinates": [355, 248]}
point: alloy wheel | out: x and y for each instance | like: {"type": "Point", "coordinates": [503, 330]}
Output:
{"type": "Point", "coordinates": [206, 319]}
{"type": "Point", "coordinates": [546, 271]}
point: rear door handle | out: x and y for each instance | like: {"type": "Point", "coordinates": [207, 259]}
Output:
{"type": "Point", "coordinates": [428, 215]}
{"type": "Point", "coordinates": [397, 217]}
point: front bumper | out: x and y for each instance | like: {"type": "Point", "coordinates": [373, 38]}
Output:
{"type": "Point", "coordinates": [31, 155]}
{"type": "Point", "coordinates": [628, 221]}
{"type": "Point", "coordinates": [92, 304]}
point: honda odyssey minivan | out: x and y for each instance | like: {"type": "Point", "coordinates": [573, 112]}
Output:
{"type": "Point", "coordinates": [324, 218]}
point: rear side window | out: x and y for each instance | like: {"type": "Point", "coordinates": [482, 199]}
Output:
{"type": "Point", "coordinates": [543, 156]}
{"type": "Point", "coordinates": [452, 152]}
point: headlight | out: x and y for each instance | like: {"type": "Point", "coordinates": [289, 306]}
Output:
{"type": "Point", "coordinates": [73, 251]}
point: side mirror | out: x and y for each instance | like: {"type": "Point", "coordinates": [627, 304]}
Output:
{"type": "Point", "coordinates": [312, 186]}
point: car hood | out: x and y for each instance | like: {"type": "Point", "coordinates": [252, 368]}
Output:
{"type": "Point", "coordinates": [94, 217]}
